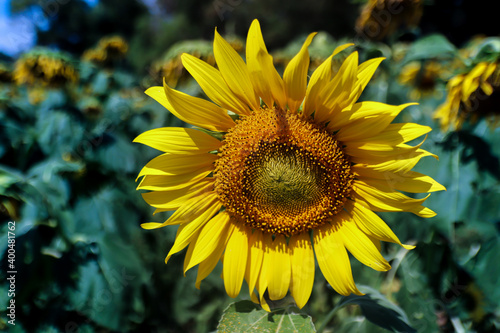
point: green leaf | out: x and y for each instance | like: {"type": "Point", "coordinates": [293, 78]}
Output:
{"type": "Point", "coordinates": [245, 316]}
{"type": "Point", "coordinates": [58, 133]}
{"type": "Point", "coordinates": [379, 310]}
{"type": "Point", "coordinates": [96, 298]}
{"type": "Point", "coordinates": [9, 177]}
{"type": "Point", "coordinates": [431, 47]}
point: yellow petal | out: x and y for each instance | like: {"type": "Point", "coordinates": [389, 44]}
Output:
{"type": "Point", "coordinates": [213, 84]}
{"type": "Point", "coordinates": [395, 134]}
{"type": "Point", "coordinates": [489, 71]}
{"type": "Point", "coordinates": [335, 95]}
{"type": "Point", "coordinates": [256, 45]}
{"type": "Point", "coordinates": [372, 153]}
{"type": "Point", "coordinates": [471, 81]}
{"type": "Point", "coordinates": [212, 236]}
{"type": "Point", "coordinates": [318, 81]}
{"type": "Point", "coordinates": [279, 269]}
{"type": "Point", "coordinates": [174, 182]}
{"type": "Point", "coordinates": [208, 265]}
{"type": "Point", "coordinates": [405, 154]}
{"type": "Point", "coordinates": [256, 256]}
{"type": "Point", "coordinates": [189, 211]}
{"type": "Point", "coordinates": [174, 164]}
{"type": "Point", "coordinates": [235, 260]}
{"type": "Point", "coordinates": [341, 48]}
{"type": "Point", "coordinates": [264, 305]}
{"type": "Point", "coordinates": [198, 112]}
{"type": "Point", "coordinates": [383, 201]}
{"type": "Point", "coordinates": [188, 230]}
{"type": "Point", "coordinates": [376, 242]}
{"type": "Point", "coordinates": [371, 224]}
{"type": "Point", "coordinates": [412, 182]}
{"type": "Point", "coordinates": [273, 77]}
{"type": "Point", "coordinates": [234, 71]}
{"type": "Point", "coordinates": [173, 199]}
{"type": "Point", "coordinates": [158, 94]}
{"type": "Point", "coordinates": [487, 88]}
{"type": "Point", "coordinates": [179, 140]}
{"type": "Point", "coordinates": [375, 150]}
{"type": "Point", "coordinates": [402, 165]}
{"type": "Point", "coordinates": [303, 267]}
{"type": "Point", "coordinates": [364, 120]}
{"type": "Point", "coordinates": [265, 271]}
{"type": "Point", "coordinates": [189, 252]}
{"type": "Point", "coordinates": [365, 110]}
{"type": "Point", "coordinates": [361, 247]}
{"type": "Point", "coordinates": [295, 76]}
{"type": "Point", "coordinates": [333, 260]}
{"type": "Point", "coordinates": [365, 73]}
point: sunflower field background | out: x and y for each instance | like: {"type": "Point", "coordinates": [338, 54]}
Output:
{"type": "Point", "coordinates": [72, 102]}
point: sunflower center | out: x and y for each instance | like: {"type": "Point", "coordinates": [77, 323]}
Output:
{"type": "Point", "coordinates": [283, 181]}
{"type": "Point", "coordinates": [281, 174]}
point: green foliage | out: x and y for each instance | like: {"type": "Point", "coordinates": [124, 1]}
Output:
{"type": "Point", "coordinates": [377, 309]}
{"type": "Point", "coordinates": [246, 316]}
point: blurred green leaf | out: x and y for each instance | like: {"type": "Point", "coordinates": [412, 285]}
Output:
{"type": "Point", "coordinates": [431, 47]}
{"type": "Point", "coordinates": [246, 316]}
{"type": "Point", "coordinates": [488, 50]}
{"type": "Point", "coordinates": [379, 310]}
{"type": "Point", "coordinates": [96, 298]}
{"type": "Point", "coordinates": [58, 133]}
{"type": "Point", "coordinates": [8, 177]}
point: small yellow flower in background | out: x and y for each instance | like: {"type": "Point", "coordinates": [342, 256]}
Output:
{"type": "Point", "coordinates": [298, 174]}
{"type": "Point", "coordinates": [108, 50]}
{"type": "Point", "coordinates": [170, 67]}
{"type": "Point", "coordinates": [470, 96]}
{"type": "Point", "coordinates": [381, 18]}
{"type": "Point", "coordinates": [422, 78]}
{"type": "Point", "coordinates": [43, 67]}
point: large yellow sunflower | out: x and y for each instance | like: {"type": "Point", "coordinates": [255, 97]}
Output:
{"type": "Point", "coordinates": [299, 172]}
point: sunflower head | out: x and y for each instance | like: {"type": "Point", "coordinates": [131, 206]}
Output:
{"type": "Point", "coordinates": [278, 171]}
{"type": "Point", "coordinates": [108, 50]}
{"type": "Point", "coordinates": [382, 18]}
{"type": "Point", "coordinates": [422, 77]}
{"type": "Point", "coordinates": [471, 96]}
{"type": "Point", "coordinates": [170, 66]}
{"type": "Point", "coordinates": [45, 67]}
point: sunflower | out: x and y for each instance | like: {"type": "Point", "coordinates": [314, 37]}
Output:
{"type": "Point", "coordinates": [44, 67]}
{"type": "Point", "coordinates": [423, 78]}
{"type": "Point", "coordinates": [108, 50]}
{"type": "Point", "coordinates": [279, 171]}
{"type": "Point", "coordinates": [381, 18]}
{"type": "Point", "coordinates": [470, 96]}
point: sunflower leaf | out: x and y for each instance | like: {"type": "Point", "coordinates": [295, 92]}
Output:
{"type": "Point", "coordinates": [379, 310]}
{"type": "Point", "coordinates": [245, 316]}
{"type": "Point", "coordinates": [433, 46]}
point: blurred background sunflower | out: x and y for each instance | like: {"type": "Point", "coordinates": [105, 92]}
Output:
{"type": "Point", "coordinates": [72, 81]}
